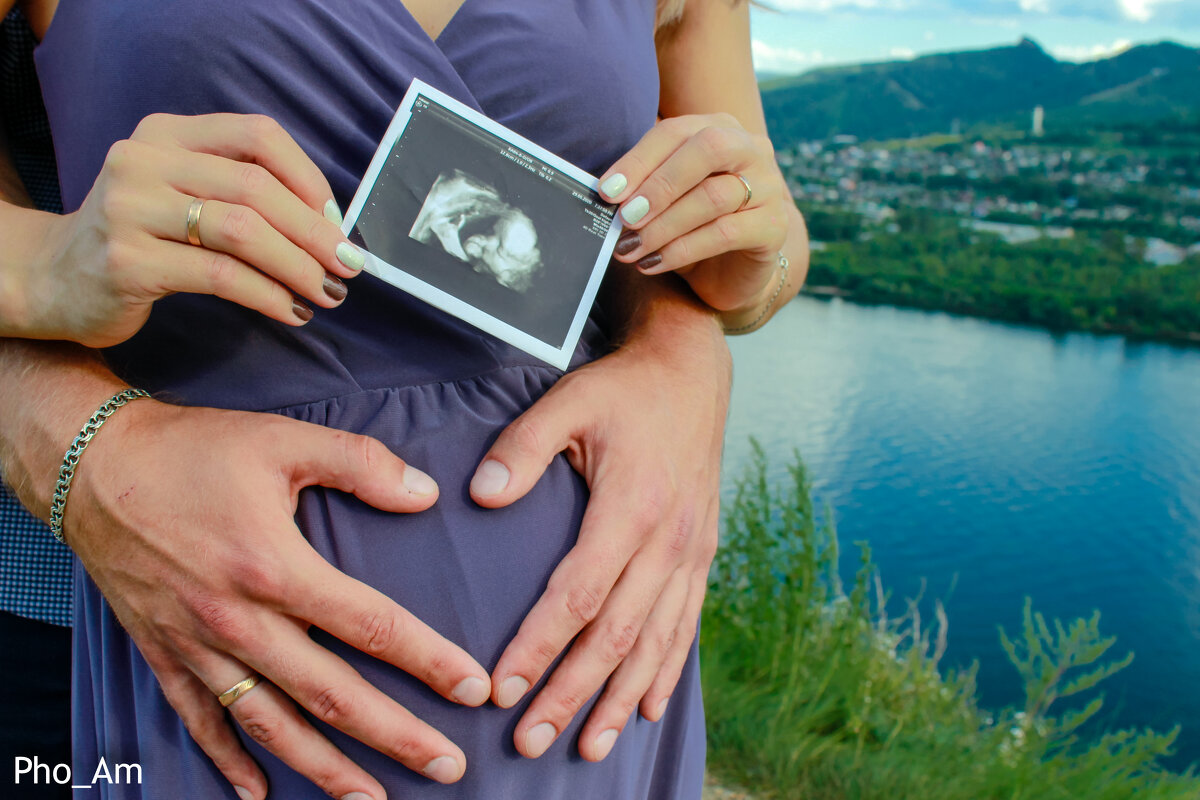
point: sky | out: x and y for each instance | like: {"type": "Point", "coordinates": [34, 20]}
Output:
{"type": "Point", "coordinates": [802, 34]}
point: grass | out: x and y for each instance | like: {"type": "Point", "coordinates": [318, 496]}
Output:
{"type": "Point", "coordinates": [813, 692]}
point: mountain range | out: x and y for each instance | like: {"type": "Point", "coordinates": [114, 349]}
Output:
{"type": "Point", "coordinates": [1001, 86]}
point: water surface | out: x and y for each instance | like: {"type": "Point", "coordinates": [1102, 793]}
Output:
{"type": "Point", "coordinates": [996, 462]}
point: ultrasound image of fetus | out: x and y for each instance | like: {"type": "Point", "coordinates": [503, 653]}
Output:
{"type": "Point", "coordinates": [471, 222]}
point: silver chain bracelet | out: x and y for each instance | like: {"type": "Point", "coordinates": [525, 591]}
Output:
{"type": "Point", "coordinates": [66, 473]}
{"type": "Point", "coordinates": [783, 267]}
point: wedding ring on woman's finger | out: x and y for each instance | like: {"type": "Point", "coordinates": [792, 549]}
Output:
{"type": "Point", "coordinates": [231, 695]}
{"type": "Point", "coordinates": [749, 192]}
{"type": "Point", "coordinates": [193, 221]}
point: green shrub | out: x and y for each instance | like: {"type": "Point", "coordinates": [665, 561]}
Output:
{"type": "Point", "coordinates": [813, 692]}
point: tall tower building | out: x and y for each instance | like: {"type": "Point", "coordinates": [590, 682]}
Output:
{"type": "Point", "coordinates": [1039, 121]}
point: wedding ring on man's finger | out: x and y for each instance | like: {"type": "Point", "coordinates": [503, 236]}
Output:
{"type": "Point", "coordinates": [230, 695]}
{"type": "Point", "coordinates": [749, 192]}
{"type": "Point", "coordinates": [193, 221]}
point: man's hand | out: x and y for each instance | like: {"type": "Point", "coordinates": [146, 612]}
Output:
{"type": "Point", "coordinates": [184, 519]}
{"type": "Point", "coordinates": [644, 426]}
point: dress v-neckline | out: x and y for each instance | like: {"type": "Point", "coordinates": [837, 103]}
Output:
{"type": "Point", "coordinates": [434, 40]}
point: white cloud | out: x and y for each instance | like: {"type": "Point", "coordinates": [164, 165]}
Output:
{"type": "Point", "coordinates": [905, 53]}
{"type": "Point", "coordinates": [1089, 52]}
{"type": "Point", "coordinates": [1038, 6]}
{"type": "Point", "coordinates": [769, 58]}
{"type": "Point", "coordinates": [1140, 10]}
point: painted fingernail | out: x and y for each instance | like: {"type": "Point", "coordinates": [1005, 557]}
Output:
{"type": "Point", "coordinates": [512, 690]}
{"type": "Point", "coordinates": [443, 769]}
{"type": "Point", "coordinates": [614, 185]}
{"type": "Point", "coordinates": [635, 209]}
{"type": "Point", "coordinates": [662, 709]}
{"type": "Point", "coordinates": [243, 793]}
{"type": "Point", "coordinates": [418, 482]}
{"type": "Point", "coordinates": [332, 212]}
{"type": "Point", "coordinates": [357, 796]}
{"type": "Point", "coordinates": [472, 691]}
{"type": "Point", "coordinates": [539, 739]}
{"type": "Point", "coordinates": [629, 241]}
{"type": "Point", "coordinates": [490, 479]}
{"type": "Point", "coordinates": [350, 255]}
{"type": "Point", "coordinates": [648, 263]}
{"type": "Point", "coordinates": [334, 287]}
{"type": "Point", "coordinates": [605, 742]}
{"type": "Point", "coordinates": [302, 312]}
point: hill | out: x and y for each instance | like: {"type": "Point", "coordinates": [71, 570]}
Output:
{"type": "Point", "coordinates": [933, 93]}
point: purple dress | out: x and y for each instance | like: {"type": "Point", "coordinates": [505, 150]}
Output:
{"type": "Point", "coordinates": [577, 76]}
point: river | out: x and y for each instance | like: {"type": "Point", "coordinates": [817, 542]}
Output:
{"type": "Point", "coordinates": [993, 462]}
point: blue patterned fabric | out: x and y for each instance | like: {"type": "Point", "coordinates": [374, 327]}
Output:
{"type": "Point", "coordinates": [35, 570]}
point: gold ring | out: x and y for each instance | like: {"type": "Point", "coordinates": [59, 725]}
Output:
{"type": "Point", "coordinates": [193, 221]}
{"type": "Point", "coordinates": [749, 193]}
{"type": "Point", "coordinates": [230, 695]}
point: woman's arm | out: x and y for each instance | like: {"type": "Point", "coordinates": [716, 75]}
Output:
{"type": "Point", "coordinates": [680, 185]}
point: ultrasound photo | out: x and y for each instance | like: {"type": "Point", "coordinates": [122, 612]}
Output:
{"type": "Point", "coordinates": [471, 222]}
{"type": "Point", "coordinates": [483, 224]}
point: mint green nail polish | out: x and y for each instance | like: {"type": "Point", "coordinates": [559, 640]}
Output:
{"type": "Point", "coordinates": [635, 209]}
{"type": "Point", "coordinates": [350, 255]}
{"type": "Point", "coordinates": [615, 184]}
{"type": "Point", "coordinates": [332, 212]}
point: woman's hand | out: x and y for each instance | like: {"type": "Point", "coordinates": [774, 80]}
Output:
{"type": "Point", "coordinates": [206, 570]}
{"type": "Point", "coordinates": [687, 210]}
{"type": "Point", "coordinates": [268, 227]}
{"type": "Point", "coordinates": [644, 426]}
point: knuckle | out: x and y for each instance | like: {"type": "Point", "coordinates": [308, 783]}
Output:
{"type": "Point", "coordinates": [121, 155]}
{"type": "Point", "coordinates": [664, 641]}
{"type": "Point", "coordinates": [717, 196]}
{"type": "Point", "coordinates": [663, 184]}
{"type": "Point", "coordinates": [619, 640]}
{"type": "Point", "coordinates": [680, 533]}
{"type": "Point", "coordinates": [361, 452]}
{"type": "Point", "coordinates": [238, 224]}
{"type": "Point", "coordinates": [315, 234]}
{"type": "Point", "coordinates": [582, 603]}
{"type": "Point", "coordinates": [116, 205]}
{"type": "Point", "coordinates": [544, 651]}
{"type": "Point", "coordinates": [713, 142]}
{"type": "Point", "coordinates": [333, 706]}
{"type": "Point", "coordinates": [728, 231]}
{"type": "Point", "coordinates": [252, 180]}
{"type": "Point", "coordinates": [649, 512]}
{"type": "Point", "coordinates": [676, 126]}
{"type": "Point", "coordinates": [377, 632]}
{"type": "Point", "coordinates": [262, 131]}
{"type": "Point", "coordinates": [622, 706]}
{"type": "Point", "coordinates": [407, 750]}
{"type": "Point", "coordinates": [566, 702]}
{"type": "Point", "coordinates": [724, 119]}
{"type": "Point", "coordinates": [221, 270]}
{"type": "Point", "coordinates": [261, 726]}
{"type": "Point", "coordinates": [525, 436]}
{"type": "Point", "coordinates": [151, 125]}
{"type": "Point", "coordinates": [221, 623]}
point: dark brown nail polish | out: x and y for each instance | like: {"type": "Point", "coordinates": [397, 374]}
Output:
{"type": "Point", "coordinates": [302, 312]}
{"type": "Point", "coordinates": [649, 262]}
{"type": "Point", "coordinates": [334, 287]}
{"type": "Point", "coordinates": [629, 241]}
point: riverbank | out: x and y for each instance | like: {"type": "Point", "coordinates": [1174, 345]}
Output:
{"type": "Point", "coordinates": [812, 691]}
{"type": "Point", "coordinates": [1099, 283]}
